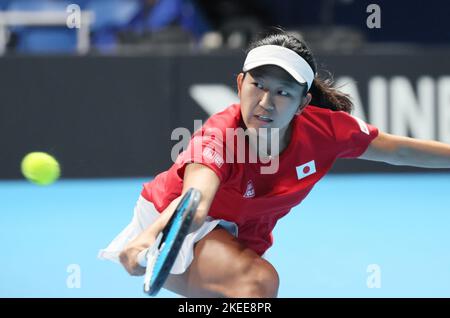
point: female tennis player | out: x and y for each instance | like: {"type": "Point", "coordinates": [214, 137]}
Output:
{"type": "Point", "coordinates": [278, 90]}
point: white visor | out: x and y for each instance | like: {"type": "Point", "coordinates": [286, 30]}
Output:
{"type": "Point", "coordinates": [283, 57]}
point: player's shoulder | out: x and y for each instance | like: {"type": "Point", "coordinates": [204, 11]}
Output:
{"type": "Point", "coordinates": [315, 118]}
{"type": "Point", "coordinates": [320, 121]}
{"type": "Point", "coordinates": [335, 121]}
{"type": "Point", "coordinates": [227, 118]}
{"type": "Point", "coordinates": [320, 111]}
{"type": "Point", "coordinates": [316, 114]}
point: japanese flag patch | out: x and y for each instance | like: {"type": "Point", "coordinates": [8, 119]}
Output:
{"type": "Point", "coordinates": [306, 169]}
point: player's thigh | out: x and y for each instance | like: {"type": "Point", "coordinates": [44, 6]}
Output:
{"type": "Point", "coordinates": [224, 267]}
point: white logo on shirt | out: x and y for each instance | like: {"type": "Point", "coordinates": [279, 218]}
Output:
{"type": "Point", "coordinates": [306, 169]}
{"type": "Point", "coordinates": [213, 156]}
{"type": "Point", "coordinates": [362, 126]}
{"type": "Point", "coordinates": [250, 191]}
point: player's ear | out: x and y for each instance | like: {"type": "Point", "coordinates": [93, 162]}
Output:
{"type": "Point", "coordinates": [305, 102]}
{"type": "Point", "coordinates": [239, 81]}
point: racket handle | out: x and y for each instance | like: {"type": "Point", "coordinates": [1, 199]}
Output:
{"type": "Point", "coordinates": [142, 257]}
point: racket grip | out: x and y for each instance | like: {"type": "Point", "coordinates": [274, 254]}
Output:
{"type": "Point", "coordinates": [142, 258]}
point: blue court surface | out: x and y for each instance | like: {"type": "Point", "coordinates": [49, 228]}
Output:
{"type": "Point", "coordinates": [371, 235]}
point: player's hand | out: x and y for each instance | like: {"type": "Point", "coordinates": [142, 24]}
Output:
{"type": "Point", "coordinates": [129, 256]}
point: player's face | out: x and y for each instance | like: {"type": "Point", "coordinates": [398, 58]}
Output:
{"type": "Point", "coordinates": [270, 97]}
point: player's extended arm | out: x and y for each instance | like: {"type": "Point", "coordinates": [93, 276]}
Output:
{"type": "Point", "coordinates": [405, 151]}
{"type": "Point", "coordinates": [207, 182]}
{"type": "Point", "coordinates": [196, 176]}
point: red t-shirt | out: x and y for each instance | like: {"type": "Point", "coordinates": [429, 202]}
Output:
{"type": "Point", "coordinates": [249, 198]}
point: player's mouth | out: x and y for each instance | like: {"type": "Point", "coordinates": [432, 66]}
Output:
{"type": "Point", "coordinates": [264, 118]}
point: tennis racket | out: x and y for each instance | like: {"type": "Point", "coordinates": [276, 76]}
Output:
{"type": "Point", "coordinates": [162, 254]}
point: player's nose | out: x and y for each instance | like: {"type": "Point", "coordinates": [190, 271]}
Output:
{"type": "Point", "coordinates": [266, 101]}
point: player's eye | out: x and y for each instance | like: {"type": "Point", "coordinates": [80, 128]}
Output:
{"type": "Point", "coordinates": [283, 93]}
{"type": "Point", "coordinates": [258, 85]}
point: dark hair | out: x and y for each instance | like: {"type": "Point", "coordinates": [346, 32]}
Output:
{"type": "Point", "coordinates": [323, 92]}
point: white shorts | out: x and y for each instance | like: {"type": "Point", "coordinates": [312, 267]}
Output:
{"type": "Point", "coordinates": [145, 214]}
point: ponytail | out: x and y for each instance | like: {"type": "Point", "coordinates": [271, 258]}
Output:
{"type": "Point", "coordinates": [325, 95]}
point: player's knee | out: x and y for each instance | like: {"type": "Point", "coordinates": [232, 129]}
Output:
{"type": "Point", "coordinates": [260, 280]}
{"type": "Point", "coordinates": [264, 283]}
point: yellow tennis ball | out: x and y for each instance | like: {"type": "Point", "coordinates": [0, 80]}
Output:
{"type": "Point", "coordinates": [40, 168]}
